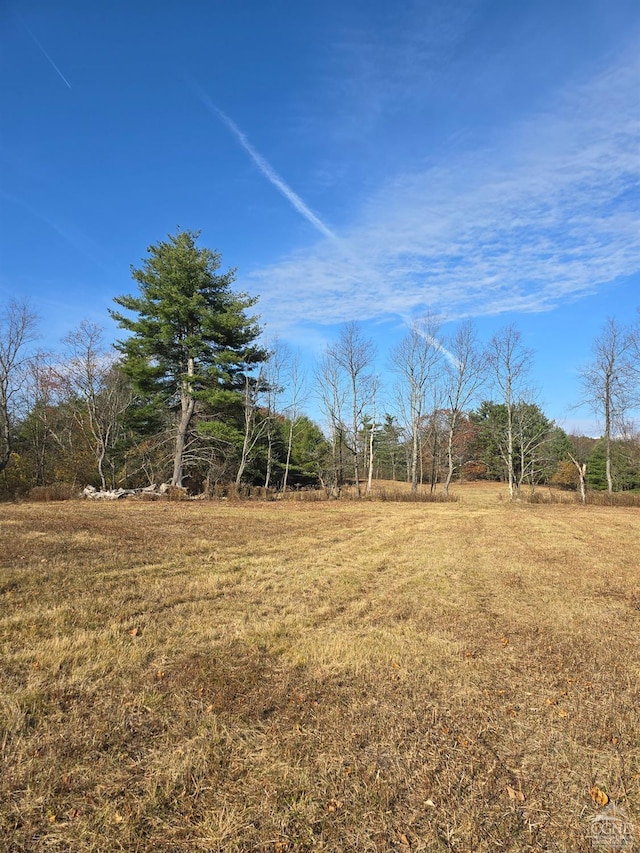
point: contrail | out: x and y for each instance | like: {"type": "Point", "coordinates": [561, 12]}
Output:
{"type": "Point", "coordinates": [433, 341]}
{"type": "Point", "coordinates": [55, 67]}
{"type": "Point", "coordinates": [67, 231]}
{"type": "Point", "coordinates": [266, 169]}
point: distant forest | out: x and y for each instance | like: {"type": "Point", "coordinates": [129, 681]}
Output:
{"type": "Point", "coordinates": [191, 395]}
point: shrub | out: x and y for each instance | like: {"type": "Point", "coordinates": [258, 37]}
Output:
{"type": "Point", "coordinates": [176, 493]}
{"type": "Point", "coordinates": [54, 492]}
{"type": "Point", "coordinates": [407, 496]}
{"type": "Point", "coordinates": [594, 498]}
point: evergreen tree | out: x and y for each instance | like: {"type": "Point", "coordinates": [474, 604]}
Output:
{"type": "Point", "coordinates": [529, 445]}
{"type": "Point", "coordinates": [597, 467]}
{"type": "Point", "coordinates": [390, 454]}
{"type": "Point", "coordinates": [190, 337]}
{"type": "Point", "coordinates": [490, 419]}
{"type": "Point", "coordinates": [309, 452]}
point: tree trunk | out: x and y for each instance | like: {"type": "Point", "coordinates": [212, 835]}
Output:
{"type": "Point", "coordinates": [434, 462]}
{"type": "Point", "coordinates": [607, 432]}
{"type": "Point", "coordinates": [370, 477]}
{"type": "Point", "coordinates": [288, 461]}
{"type": "Point", "coordinates": [246, 443]}
{"type": "Point", "coordinates": [414, 459]}
{"type": "Point", "coordinates": [6, 442]}
{"type": "Point", "coordinates": [523, 465]}
{"type": "Point", "coordinates": [188, 404]}
{"type": "Point", "coordinates": [582, 475]}
{"type": "Point", "coordinates": [100, 454]}
{"type": "Point", "coordinates": [510, 472]}
{"type": "Point", "coordinates": [267, 476]}
{"type": "Point", "coordinates": [452, 427]}
{"type": "Point", "coordinates": [354, 427]}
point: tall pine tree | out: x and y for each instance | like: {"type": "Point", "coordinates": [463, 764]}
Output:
{"type": "Point", "coordinates": [190, 334]}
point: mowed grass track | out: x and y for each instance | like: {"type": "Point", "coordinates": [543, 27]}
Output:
{"type": "Point", "coordinates": [317, 676]}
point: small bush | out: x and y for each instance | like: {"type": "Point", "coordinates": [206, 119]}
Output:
{"type": "Point", "coordinates": [310, 495]}
{"type": "Point", "coordinates": [146, 496]}
{"type": "Point", "coordinates": [594, 498]}
{"type": "Point", "coordinates": [176, 493]}
{"type": "Point", "coordinates": [233, 492]}
{"type": "Point", "coordinates": [407, 496]}
{"type": "Point", "coordinates": [260, 493]}
{"type": "Point", "coordinates": [54, 492]}
{"type": "Point", "coordinates": [614, 499]}
{"type": "Point", "coordinates": [539, 498]}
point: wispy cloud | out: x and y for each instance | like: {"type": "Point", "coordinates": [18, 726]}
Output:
{"type": "Point", "coordinates": [267, 170]}
{"type": "Point", "coordinates": [547, 213]}
{"type": "Point", "coordinates": [381, 65]}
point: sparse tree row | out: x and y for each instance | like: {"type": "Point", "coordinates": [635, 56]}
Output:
{"type": "Point", "coordinates": [192, 396]}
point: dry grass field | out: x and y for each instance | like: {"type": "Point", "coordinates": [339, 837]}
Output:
{"type": "Point", "coordinates": [278, 677]}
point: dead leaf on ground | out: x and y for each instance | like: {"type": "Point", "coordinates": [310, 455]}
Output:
{"type": "Point", "coordinates": [598, 796]}
{"type": "Point", "coordinates": [516, 796]}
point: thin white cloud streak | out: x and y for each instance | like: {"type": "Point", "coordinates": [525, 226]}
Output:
{"type": "Point", "coordinates": [267, 170]}
{"type": "Point", "coordinates": [66, 230]}
{"type": "Point", "coordinates": [52, 63]}
{"type": "Point", "coordinates": [435, 343]}
{"type": "Point", "coordinates": [548, 214]}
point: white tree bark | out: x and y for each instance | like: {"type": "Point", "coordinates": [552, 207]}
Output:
{"type": "Point", "coordinates": [415, 362]}
{"type": "Point", "coordinates": [609, 382]}
{"type": "Point", "coordinates": [466, 368]}
{"type": "Point", "coordinates": [510, 364]}
{"type": "Point", "coordinates": [17, 332]}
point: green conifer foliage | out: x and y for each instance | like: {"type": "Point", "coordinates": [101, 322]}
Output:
{"type": "Point", "coordinates": [190, 336]}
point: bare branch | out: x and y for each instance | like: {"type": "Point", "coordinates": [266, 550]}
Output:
{"type": "Point", "coordinates": [18, 329]}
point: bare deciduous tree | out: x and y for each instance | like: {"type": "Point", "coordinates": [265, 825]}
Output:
{"type": "Point", "coordinates": [273, 374]}
{"type": "Point", "coordinates": [370, 439]}
{"type": "Point", "coordinates": [415, 362]}
{"type": "Point", "coordinates": [332, 396]}
{"type": "Point", "coordinates": [466, 371]}
{"type": "Point", "coordinates": [509, 363]}
{"type": "Point", "coordinates": [42, 426]}
{"type": "Point", "coordinates": [608, 384]}
{"type": "Point", "coordinates": [295, 387]}
{"type": "Point", "coordinates": [98, 394]}
{"type": "Point", "coordinates": [255, 424]}
{"type": "Point", "coordinates": [347, 361]}
{"type": "Point", "coordinates": [532, 432]}
{"type": "Point", "coordinates": [17, 331]}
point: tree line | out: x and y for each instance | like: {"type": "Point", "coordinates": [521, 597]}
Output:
{"type": "Point", "coordinates": [192, 395]}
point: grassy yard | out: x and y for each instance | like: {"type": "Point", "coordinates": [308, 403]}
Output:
{"type": "Point", "coordinates": [275, 677]}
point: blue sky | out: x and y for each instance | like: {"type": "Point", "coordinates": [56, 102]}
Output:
{"type": "Point", "coordinates": [355, 160]}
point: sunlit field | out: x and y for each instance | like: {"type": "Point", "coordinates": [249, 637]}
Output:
{"type": "Point", "coordinates": [297, 676]}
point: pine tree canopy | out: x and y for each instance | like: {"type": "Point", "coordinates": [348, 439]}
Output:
{"type": "Point", "coordinates": [187, 321]}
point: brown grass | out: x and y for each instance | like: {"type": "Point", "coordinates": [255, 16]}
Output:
{"type": "Point", "coordinates": [292, 676]}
